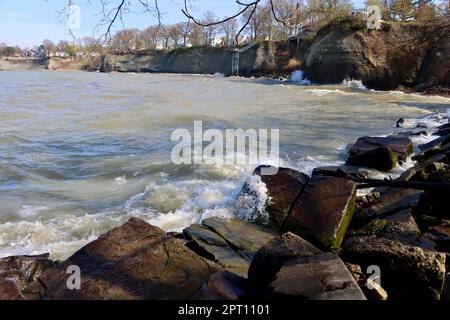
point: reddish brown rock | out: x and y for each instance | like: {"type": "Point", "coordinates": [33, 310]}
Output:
{"type": "Point", "coordinates": [138, 261]}
{"type": "Point", "coordinates": [271, 257]}
{"type": "Point", "coordinates": [18, 272]}
{"type": "Point", "coordinates": [283, 188]}
{"type": "Point", "coordinates": [324, 210]}
{"type": "Point", "coordinates": [319, 277]}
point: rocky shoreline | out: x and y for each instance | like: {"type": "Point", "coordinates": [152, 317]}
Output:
{"type": "Point", "coordinates": [324, 240]}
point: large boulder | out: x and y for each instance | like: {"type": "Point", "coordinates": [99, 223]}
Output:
{"type": "Point", "coordinates": [319, 277]}
{"type": "Point", "coordinates": [16, 273]}
{"type": "Point", "coordinates": [283, 188]}
{"type": "Point", "coordinates": [231, 243]}
{"type": "Point", "coordinates": [381, 153]}
{"type": "Point", "coordinates": [407, 272]}
{"type": "Point", "coordinates": [138, 261]}
{"type": "Point", "coordinates": [271, 257]}
{"type": "Point", "coordinates": [323, 211]}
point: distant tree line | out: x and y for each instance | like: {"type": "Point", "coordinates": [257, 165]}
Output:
{"type": "Point", "coordinates": [259, 21]}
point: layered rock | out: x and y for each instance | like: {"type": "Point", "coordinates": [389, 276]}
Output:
{"type": "Point", "coordinates": [231, 243]}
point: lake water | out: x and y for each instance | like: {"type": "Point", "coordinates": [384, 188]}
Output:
{"type": "Point", "coordinates": [81, 153]}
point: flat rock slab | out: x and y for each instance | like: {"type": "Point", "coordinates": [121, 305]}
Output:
{"type": "Point", "coordinates": [319, 277]}
{"type": "Point", "coordinates": [138, 261]}
{"type": "Point", "coordinates": [402, 227]}
{"type": "Point", "coordinates": [243, 237]}
{"type": "Point", "coordinates": [394, 201]}
{"type": "Point", "coordinates": [381, 153]}
{"type": "Point", "coordinates": [271, 257]}
{"type": "Point", "coordinates": [16, 273]}
{"type": "Point", "coordinates": [283, 188]}
{"type": "Point", "coordinates": [333, 171]}
{"type": "Point", "coordinates": [212, 246]}
{"type": "Point", "coordinates": [324, 210]}
{"type": "Point", "coordinates": [407, 272]}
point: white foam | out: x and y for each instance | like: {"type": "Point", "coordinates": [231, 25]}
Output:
{"type": "Point", "coordinates": [121, 180]}
{"type": "Point", "coordinates": [298, 77]}
{"type": "Point", "coordinates": [354, 84]}
{"type": "Point", "coordinates": [30, 211]}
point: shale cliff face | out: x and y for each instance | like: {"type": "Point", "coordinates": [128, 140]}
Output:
{"type": "Point", "coordinates": [263, 58]}
{"type": "Point", "coordinates": [383, 59]}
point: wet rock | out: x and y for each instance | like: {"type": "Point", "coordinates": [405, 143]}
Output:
{"type": "Point", "coordinates": [395, 201]}
{"type": "Point", "coordinates": [213, 247]}
{"type": "Point", "coordinates": [407, 272]}
{"type": "Point", "coordinates": [16, 273]}
{"type": "Point", "coordinates": [332, 171]}
{"type": "Point", "coordinates": [319, 277]}
{"type": "Point", "coordinates": [283, 188]}
{"type": "Point", "coordinates": [421, 171]}
{"type": "Point", "coordinates": [402, 227]}
{"type": "Point", "coordinates": [436, 144]}
{"type": "Point", "coordinates": [138, 261]}
{"type": "Point", "coordinates": [381, 153]}
{"type": "Point", "coordinates": [324, 210]}
{"type": "Point", "coordinates": [243, 237]}
{"type": "Point", "coordinates": [231, 243]}
{"type": "Point", "coordinates": [271, 257]}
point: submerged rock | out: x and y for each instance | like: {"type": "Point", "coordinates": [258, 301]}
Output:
{"type": "Point", "coordinates": [381, 153]}
{"type": "Point", "coordinates": [324, 210]}
{"type": "Point", "coordinates": [319, 277]}
{"type": "Point", "coordinates": [138, 261]}
{"type": "Point", "coordinates": [407, 272]}
{"type": "Point", "coordinates": [16, 273]}
{"type": "Point", "coordinates": [271, 257]}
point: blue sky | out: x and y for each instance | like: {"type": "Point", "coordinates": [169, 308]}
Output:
{"type": "Point", "coordinates": [28, 22]}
